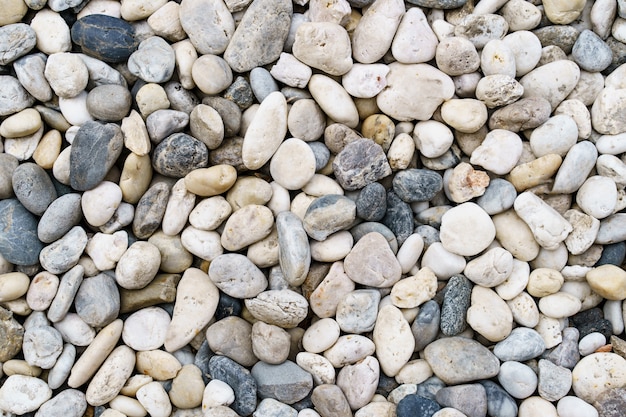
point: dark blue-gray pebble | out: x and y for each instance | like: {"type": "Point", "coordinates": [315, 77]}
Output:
{"type": "Point", "coordinates": [150, 210]}
{"type": "Point", "coordinates": [413, 185]}
{"type": "Point", "coordinates": [590, 321]}
{"type": "Point", "coordinates": [105, 37]}
{"type": "Point", "coordinates": [371, 203]}
{"type": "Point", "coordinates": [498, 197]}
{"type": "Point", "coordinates": [449, 159]}
{"type": "Point", "coordinates": [456, 302]}
{"type": "Point", "coordinates": [97, 301]}
{"type": "Point", "coordinates": [228, 306]}
{"type": "Point", "coordinates": [18, 234]}
{"type": "Point", "coordinates": [178, 155]}
{"type": "Point", "coordinates": [428, 389]}
{"type": "Point", "coordinates": [360, 163]}
{"type": "Point", "coordinates": [239, 379]}
{"type": "Point", "coordinates": [322, 154]}
{"type": "Point", "coordinates": [591, 53]}
{"type": "Point", "coordinates": [61, 215]}
{"type": "Point", "coordinates": [201, 360]}
{"type": "Point", "coordinates": [432, 215]}
{"type": "Point", "coordinates": [262, 83]}
{"type": "Point", "coordinates": [96, 148]}
{"type": "Point", "coordinates": [499, 402]}
{"type": "Point", "coordinates": [386, 384]}
{"type": "Point", "coordinates": [612, 254]}
{"type": "Point", "coordinates": [33, 187]}
{"type": "Point", "coordinates": [286, 382]}
{"type": "Point", "coordinates": [398, 217]}
{"type": "Point", "coordinates": [426, 325]}
{"type": "Point", "coordinates": [16, 40]}
{"type": "Point", "coordinates": [413, 405]}
{"type": "Point", "coordinates": [240, 93]}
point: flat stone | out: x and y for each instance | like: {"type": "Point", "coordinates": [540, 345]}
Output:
{"type": "Point", "coordinates": [14, 97]}
{"type": "Point", "coordinates": [328, 214]}
{"type": "Point", "coordinates": [517, 379]}
{"type": "Point", "coordinates": [286, 382]}
{"type": "Point", "coordinates": [69, 402]}
{"type": "Point", "coordinates": [232, 337]}
{"type": "Point", "coordinates": [105, 37]}
{"type": "Point", "coordinates": [247, 225]}
{"type": "Point", "coordinates": [526, 113]}
{"type": "Point", "coordinates": [361, 268]}
{"type": "Point", "coordinates": [462, 238]}
{"type": "Point", "coordinates": [554, 381]}
{"type": "Point", "coordinates": [16, 40]}
{"type": "Point", "coordinates": [284, 308]}
{"type": "Point", "coordinates": [521, 345]}
{"type": "Point", "coordinates": [329, 399]}
{"type": "Point", "coordinates": [237, 276]}
{"type": "Point", "coordinates": [334, 58]}
{"type": "Point", "coordinates": [196, 18]}
{"type": "Point", "coordinates": [294, 250]}
{"type": "Point", "coordinates": [33, 188]}
{"type": "Point", "coordinates": [64, 253]}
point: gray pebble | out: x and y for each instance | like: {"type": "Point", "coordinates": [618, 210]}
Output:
{"type": "Point", "coordinates": [229, 153]}
{"type": "Point", "coordinates": [240, 93]}
{"type": "Point", "coordinates": [109, 103]}
{"type": "Point", "coordinates": [42, 346]}
{"type": "Point", "coordinates": [30, 71]}
{"type": "Point", "coordinates": [101, 73]}
{"type": "Point", "coordinates": [566, 354]}
{"type": "Point", "coordinates": [357, 312]}
{"type": "Point", "coordinates": [481, 28]}
{"type": "Point", "coordinates": [64, 253]}
{"type": "Point", "coordinates": [269, 407]}
{"type": "Point", "coordinates": [322, 154]}
{"type": "Point", "coordinates": [499, 196]}
{"type": "Point", "coordinates": [429, 388]}
{"type": "Point", "coordinates": [426, 325]}
{"type": "Point", "coordinates": [178, 155]}
{"type": "Point", "coordinates": [262, 83]}
{"type": "Point", "coordinates": [327, 215]}
{"type": "Point", "coordinates": [228, 111]}
{"type": "Point", "coordinates": [67, 403]}
{"type": "Point", "coordinates": [521, 345]}
{"type": "Point", "coordinates": [95, 149]}
{"type": "Point", "coordinates": [61, 215]}
{"type": "Point", "coordinates": [526, 113]}
{"type": "Point", "coordinates": [612, 229]}
{"type": "Point", "coordinates": [563, 36]}
{"type": "Point", "coordinates": [364, 228]}
{"type": "Point", "coordinates": [449, 159]}
{"type": "Point", "coordinates": [591, 53]}
{"type": "Point", "coordinates": [122, 217]}
{"type": "Point", "coordinates": [360, 163]}
{"type": "Point", "coordinates": [287, 382]}
{"type": "Point", "coordinates": [337, 136]}
{"type": "Point", "coordinates": [554, 381]}
{"type": "Point", "coordinates": [165, 122]}
{"type": "Point", "coordinates": [16, 40]}
{"type": "Point", "coordinates": [259, 37]}
{"type": "Point", "coordinates": [97, 301]}
{"type": "Point", "coordinates": [457, 360]}
{"type": "Point", "coordinates": [19, 244]}
{"type": "Point", "coordinates": [70, 282]}
{"type": "Point", "coordinates": [151, 209]}
{"type": "Point", "coordinates": [499, 402]}
{"type": "Point", "coordinates": [413, 185]}
{"type": "Point", "coordinates": [293, 248]}
{"type": "Point", "coordinates": [33, 187]}
{"type": "Point", "coordinates": [62, 368]}
{"type": "Point", "coordinates": [8, 164]}
{"type": "Point", "coordinates": [329, 400]}
{"type": "Point", "coordinates": [239, 379]}
{"type": "Point", "coordinates": [13, 97]}
{"type": "Point", "coordinates": [154, 61]}
{"type": "Point", "coordinates": [456, 302]}
{"type": "Point", "coordinates": [470, 399]}
{"type": "Point", "coordinates": [398, 217]}
{"type": "Point", "coordinates": [180, 98]}
{"type": "Point", "coordinates": [371, 203]}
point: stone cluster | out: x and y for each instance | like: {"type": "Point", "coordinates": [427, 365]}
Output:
{"type": "Point", "coordinates": [313, 208]}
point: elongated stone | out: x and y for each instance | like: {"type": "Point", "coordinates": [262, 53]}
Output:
{"type": "Point", "coordinates": [294, 250]}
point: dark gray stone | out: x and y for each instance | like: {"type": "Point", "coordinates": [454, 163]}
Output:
{"type": "Point", "coordinates": [16, 40]}
{"type": "Point", "coordinates": [239, 379]}
{"type": "Point", "coordinates": [520, 345]}
{"type": "Point", "coordinates": [97, 301]}
{"type": "Point", "coordinates": [260, 36]}
{"type": "Point", "coordinates": [371, 203]}
{"type": "Point", "coordinates": [11, 334]}
{"type": "Point", "coordinates": [413, 405]}
{"type": "Point", "coordinates": [180, 98]}
{"type": "Point", "coordinates": [8, 163]}
{"type": "Point", "coordinates": [109, 103]}
{"type": "Point", "coordinates": [33, 187]}
{"type": "Point", "coordinates": [229, 153]}
{"type": "Point", "coordinates": [429, 388]}
{"type": "Point", "coordinates": [178, 155]}
{"type": "Point", "coordinates": [563, 36]}
{"type": "Point", "coordinates": [438, 4]}
{"type": "Point", "coordinates": [360, 163]}
{"type": "Point", "coordinates": [262, 83]}
{"type": "Point", "coordinates": [498, 197]}
{"type": "Point", "coordinates": [150, 210]}
{"type": "Point", "coordinates": [499, 402]}
{"type": "Point", "coordinates": [228, 111]}
{"type": "Point", "coordinates": [68, 286]}
{"type": "Point", "coordinates": [456, 302]}
{"type": "Point", "coordinates": [426, 325]}
{"type": "Point", "coordinates": [362, 229]}
{"type": "Point", "coordinates": [95, 150]}
{"type": "Point", "coordinates": [566, 354]}
{"type": "Point", "coordinates": [591, 53]}
{"type": "Point", "coordinates": [105, 37]}
{"type": "Point", "coordinates": [590, 321]}
{"type": "Point", "coordinates": [329, 214]}
{"type": "Point", "coordinates": [413, 185]}
{"type": "Point", "coordinates": [165, 122]}
{"type": "Point", "coordinates": [240, 93]}
{"type": "Point", "coordinates": [612, 254]}
{"type": "Point", "coordinates": [13, 97]}
{"type": "Point", "coordinates": [18, 234]}
{"type": "Point", "coordinates": [228, 306]}
{"type": "Point", "coordinates": [398, 217]}
{"type": "Point", "coordinates": [361, 3]}
{"type": "Point", "coordinates": [287, 382]}
{"type": "Point", "coordinates": [322, 154]}
{"type": "Point", "coordinates": [611, 403]}
{"type": "Point", "coordinates": [293, 247]}
{"type": "Point", "coordinates": [449, 159]}
{"type": "Point", "coordinates": [202, 358]}
{"type": "Point", "coordinates": [470, 399]}
{"type": "Point", "coordinates": [61, 215]}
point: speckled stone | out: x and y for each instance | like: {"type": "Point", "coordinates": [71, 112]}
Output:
{"type": "Point", "coordinates": [360, 163]}
{"type": "Point", "coordinates": [426, 325]}
{"type": "Point", "coordinates": [499, 402]}
{"type": "Point", "coordinates": [398, 217]}
{"type": "Point", "coordinates": [521, 345]}
{"type": "Point", "coordinates": [414, 185]}
{"type": "Point", "coordinates": [96, 147]}
{"type": "Point", "coordinates": [16, 40]}
{"type": "Point", "coordinates": [150, 210]}
{"type": "Point", "coordinates": [105, 37]}
{"type": "Point", "coordinates": [239, 379]}
{"type": "Point", "coordinates": [33, 187]}
{"type": "Point", "coordinates": [414, 405]}
{"type": "Point", "coordinates": [18, 234]}
{"type": "Point", "coordinates": [439, 4]}
{"type": "Point", "coordinates": [13, 97]}
{"type": "Point", "coordinates": [178, 155]}
{"type": "Point", "coordinates": [591, 53]}
{"type": "Point", "coordinates": [12, 334]}
{"type": "Point", "coordinates": [371, 203]}
{"type": "Point", "coordinates": [456, 302]}
{"type": "Point", "coordinates": [287, 382]}
{"type": "Point", "coordinates": [590, 321]}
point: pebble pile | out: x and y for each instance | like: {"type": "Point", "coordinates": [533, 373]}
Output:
{"type": "Point", "coordinates": [312, 208]}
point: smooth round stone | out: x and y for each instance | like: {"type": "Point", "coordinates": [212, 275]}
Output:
{"type": "Point", "coordinates": [289, 70]}
{"type": "Point", "coordinates": [547, 80]}
{"type": "Point", "coordinates": [517, 379]}
{"type": "Point", "coordinates": [559, 305]}
{"type": "Point", "coordinates": [357, 312]}
{"type": "Point", "coordinates": [331, 290]}
{"type": "Point", "coordinates": [94, 151]}
{"type": "Point", "coordinates": [499, 152]}
{"type": "Point", "coordinates": [150, 210]}
{"type": "Point", "coordinates": [497, 58]}
{"type": "Point", "coordinates": [537, 406]}
{"type": "Point", "coordinates": [466, 230]}
{"type": "Point", "coordinates": [12, 12]}
{"type": "Point", "coordinates": [178, 155]}
{"type": "Point", "coordinates": [174, 256]}
{"type": "Point", "coordinates": [117, 99]}
{"type": "Point", "coordinates": [591, 376]}
{"type": "Point", "coordinates": [207, 182]}
{"type": "Point", "coordinates": [427, 81]}
{"type": "Point", "coordinates": [334, 58]}
{"type": "Point", "coordinates": [231, 337]}
{"type": "Point", "coordinates": [393, 352]}
{"type": "Point", "coordinates": [74, 330]}
{"type": "Point", "coordinates": [69, 402]}
{"type": "Point", "coordinates": [24, 123]}
{"type": "Point", "coordinates": [413, 185]}
{"type": "Point", "coordinates": [138, 266]}
{"type": "Point", "coordinates": [197, 18]}
{"type": "Point", "coordinates": [48, 149]}
{"type": "Point", "coordinates": [266, 131]}
{"type": "Point", "coordinates": [97, 301]}
{"type": "Point", "coordinates": [221, 75]}
{"type": "Point", "coordinates": [210, 213]}
{"type": "Point", "coordinates": [560, 126]}
{"type": "Point", "coordinates": [262, 82]}
{"type": "Point", "coordinates": [306, 121]}
{"type": "Point", "coordinates": [105, 37]}
{"type": "Point", "coordinates": [237, 276]}
{"type": "Point", "coordinates": [8, 164]}
{"type": "Point", "coordinates": [575, 168]}
{"type": "Point", "coordinates": [571, 406]}
{"type": "Point", "coordinates": [22, 394]}
{"type": "Point", "coordinates": [361, 268]}
{"type": "Point", "coordinates": [321, 335]}
{"type": "Point", "coordinates": [516, 282]}
{"type": "Point", "coordinates": [415, 41]}
{"type": "Point", "coordinates": [42, 290]}
{"type": "Point", "coordinates": [33, 187]}
{"type": "Point", "coordinates": [154, 399]}
{"type": "Point", "coordinates": [499, 196]}
{"type": "Point", "coordinates": [206, 124]}
{"type": "Point", "coordinates": [146, 329]}
{"type": "Point", "coordinates": [294, 250]}
{"type": "Point", "coordinates": [486, 304]}
{"type": "Point", "coordinates": [521, 345]}
{"type": "Point", "coordinates": [270, 343]}
{"type": "Point", "coordinates": [99, 203]}
{"type": "Point", "coordinates": [563, 12]}
{"type": "Point", "coordinates": [554, 381]}
{"type": "Point", "coordinates": [74, 109]}
{"type": "Point", "coordinates": [201, 243]}
{"type": "Point", "coordinates": [247, 225]}
{"type": "Point", "coordinates": [471, 399]}
{"type": "Point", "coordinates": [42, 346]}
{"type": "Point", "coordinates": [591, 343]}
{"type": "Point", "coordinates": [53, 33]}
{"type": "Point", "coordinates": [64, 253]}
{"type": "Point", "coordinates": [548, 226]}
{"type": "Point", "coordinates": [457, 56]}
{"type": "Point", "coordinates": [453, 264]}
{"type": "Point", "coordinates": [66, 73]}
{"type": "Point", "coordinates": [597, 196]}
{"type": "Point", "coordinates": [413, 404]}
{"type": "Point", "coordinates": [612, 167]}
{"type": "Point", "coordinates": [328, 214]}
{"type": "Point", "coordinates": [150, 98]}
{"type": "Point", "coordinates": [491, 268]}
{"type": "Point", "coordinates": [126, 406]}
{"type": "Point", "coordinates": [217, 393]}
{"type": "Point", "coordinates": [13, 97]}
{"type": "Point", "coordinates": [608, 281]}
{"type": "Point", "coordinates": [456, 302]}
{"type": "Point", "coordinates": [334, 100]}
{"type": "Point", "coordinates": [293, 164]}
{"type": "Point", "coordinates": [365, 80]}
{"type": "Point", "coordinates": [158, 364]}
{"type": "Point", "coordinates": [187, 387]}
{"type": "Point", "coordinates": [464, 115]}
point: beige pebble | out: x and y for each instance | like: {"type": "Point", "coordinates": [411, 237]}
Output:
{"type": "Point", "coordinates": [211, 74]}
{"type": "Point", "coordinates": [109, 380]}
{"type": "Point", "coordinates": [293, 164]}
{"type": "Point", "coordinates": [247, 225]}
{"type": "Point", "coordinates": [158, 364]}
{"type": "Point", "coordinates": [563, 12]}
{"type": "Point", "coordinates": [13, 285]}
{"type": "Point", "coordinates": [374, 32]}
{"type": "Point", "coordinates": [42, 291]}
{"type": "Point", "coordinates": [48, 149]}
{"type": "Point", "coordinates": [465, 115]}
{"type": "Point", "coordinates": [99, 203]}
{"type": "Point", "coordinates": [544, 281]}
{"type": "Point", "coordinates": [135, 133]}
{"type": "Point", "coordinates": [415, 290]}
{"type": "Point", "coordinates": [179, 205]}
{"type": "Point", "coordinates": [515, 235]}
{"type": "Point", "coordinates": [67, 74]}
{"type": "Point", "coordinates": [135, 177]}
{"type": "Point", "coordinates": [325, 46]}
{"type": "Point", "coordinates": [401, 152]}
{"type": "Point", "coordinates": [165, 22]}
{"type": "Point", "coordinates": [249, 190]}
{"type": "Point", "coordinates": [489, 315]}
{"type": "Point", "coordinates": [23, 123]}
{"type": "Point", "coordinates": [206, 125]}
{"type": "Point", "coordinates": [334, 100]}
{"type": "Point", "coordinates": [208, 182]}
{"type": "Point", "coordinates": [536, 172]}
{"type": "Point", "coordinates": [524, 309]}
{"type": "Point", "coordinates": [609, 281]}
{"type": "Point", "coordinates": [464, 182]}
{"type": "Point", "coordinates": [138, 266]}
{"type": "Point", "coordinates": [186, 55]}
{"type": "Point", "coordinates": [210, 213]}
{"type": "Point", "coordinates": [150, 98]}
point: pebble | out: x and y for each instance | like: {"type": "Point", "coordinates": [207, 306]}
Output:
{"type": "Point", "coordinates": [239, 379]}
{"type": "Point", "coordinates": [413, 404]}
{"type": "Point", "coordinates": [146, 329]}
{"type": "Point", "coordinates": [393, 339]}
{"type": "Point", "coordinates": [22, 394]}
{"type": "Point", "coordinates": [98, 313]}
{"type": "Point", "coordinates": [463, 238]}
{"type": "Point", "coordinates": [178, 155]}
{"type": "Point", "coordinates": [519, 380]}
{"type": "Point", "coordinates": [257, 149]}
{"type": "Point", "coordinates": [521, 345]}
{"type": "Point", "coordinates": [571, 406]}
{"type": "Point", "coordinates": [110, 378]}
{"type": "Point", "coordinates": [589, 385]}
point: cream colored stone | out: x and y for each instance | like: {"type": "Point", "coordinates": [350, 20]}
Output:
{"type": "Point", "coordinates": [544, 281]}
{"type": "Point", "coordinates": [465, 115]}
{"type": "Point", "coordinates": [150, 98]}
{"type": "Point", "coordinates": [334, 100]}
{"type": "Point", "coordinates": [165, 22]}
{"type": "Point", "coordinates": [211, 74]}
{"type": "Point", "coordinates": [374, 32]}
{"type": "Point", "coordinates": [415, 290]}
{"type": "Point", "coordinates": [324, 46]}
{"type": "Point", "coordinates": [135, 177]}
{"type": "Point", "coordinates": [609, 281]}
{"type": "Point", "coordinates": [489, 315]}
{"type": "Point", "coordinates": [23, 123]}
{"type": "Point", "coordinates": [597, 373]}
{"type": "Point", "coordinates": [13, 285]}
{"type": "Point", "coordinates": [393, 339]}
{"type": "Point", "coordinates": [563, 12]}
{"type": "Point", "coordinates": [110, 378]}
{"type": "Point", "coordinates": [186, 55]}
{"type": "Point", "coordinates": [524, 309]}
{"type": "Point", "coordinates": [158, 364]}
{"type": "Point", "coordinates": [247, 225]}
{"type": "Point", "coordinates": [535, 172]}
{"type": "Point", "coordinates": [208, 182]}
{"type": "Point", "coordinates": [48, 149]}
